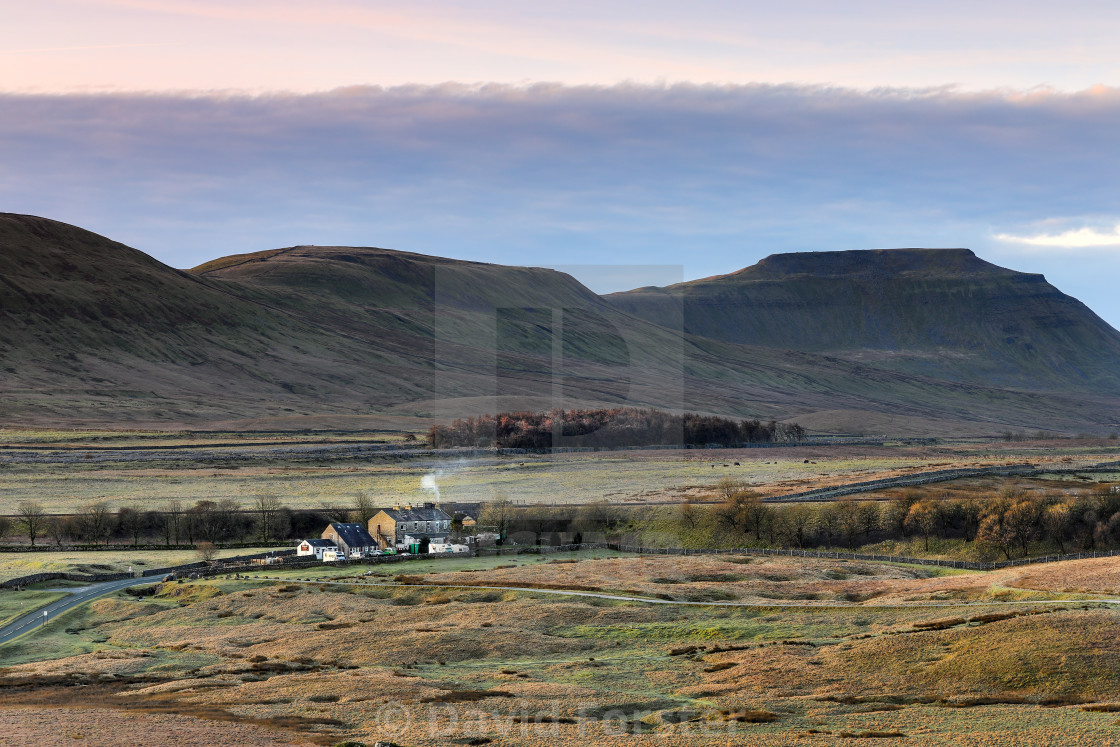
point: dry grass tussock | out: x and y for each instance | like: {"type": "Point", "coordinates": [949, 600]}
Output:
{"type": "Point", "coordinates": [761, 579]}
{"type": "Point", "coordinates": [1094, 576]}
{"type": "Point", "coordinates": [1060, 659]}
{"type": "Point", "coordinates": [34, 726]}
{"type": "Point", "coordinates": [358, 630]}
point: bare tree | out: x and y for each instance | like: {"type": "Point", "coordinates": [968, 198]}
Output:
{"type": "Point", "coordinates": [736, 510]}
{"type": "Point", "coordinates": [331, 514]}
{"type": "Point", "coordinates": [828, 521]}
{"type": "Point", "coordinates": [235, 522]}
{"type": "Point", "coordinates": [1087, 536]}
{"type": "Point", "coordinates": [93, 522]}
{"type": "Point", "coordinates": [792, 523]}
{"type": "Point", "coordinates": [131, 522]}
{"type": "Point", "coordinates": [1108, 532]}
{"type": "Point", "coordinates": [1023, 520]}
{"type": "Point", "coordinates": [970, 510]}
{"type": "Point", "coordinates": [189, 524]}
{"type": "Point", "coordinates": [215, 521]}
{"type": "Point", "coordinates": [268, 509]}
{"type": "Point", "coordinates": [204, 521]}
{"type": "Point", "coordinates": [172, 521]}
{"type": "Point", "coordinates": [206, 551]}
{"type": "Point", "coordinates": [894, 516]}
{"type": "Point", "coordinates": [497, 515]}
{"type": "Point", "coordinates": [1059, 520]}
{"type": "Point", "coordinates": [363, 509]}
{"type": "Point", "coordinates": [922, 518]}
{"type": "Point", "coordinates": [32, 519]}
{"type": "Point", "coordinates": [756, 515]}
{"type": "Point", "coordinates": [161, 525]}
{"type": "Point", "coordinates": [847, 511]}
{"type": "Point", "coordinates": [599, 516]}
{"type": "Point", "coordinates": [686, 515]}
{"type": "Point", "coordinates": [59, 529]}
{"type": "Point", "coordinates": [869, 516]}
{"type": "Point", "coordinates": [727, 488]}
{"type": "Point", "coordinates": [995, 533]}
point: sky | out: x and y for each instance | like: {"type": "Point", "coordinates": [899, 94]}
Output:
{"type": "Point", "coordinates": [639, 142]}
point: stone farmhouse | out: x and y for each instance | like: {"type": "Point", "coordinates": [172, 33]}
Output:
{"type": "Point", "coordinates": [403, 525]}
{"type": "Point", "coordinates": [353, 540]}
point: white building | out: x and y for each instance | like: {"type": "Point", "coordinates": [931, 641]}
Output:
{"type": "Point", "coordinates": [441, 547]}
{"type": "Point", "coordinates": [315, 547]}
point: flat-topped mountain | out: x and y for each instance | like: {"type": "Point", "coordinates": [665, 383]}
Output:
{"type": "Point", "coordinates": [93, 332]}
{"type": "Point", "coordinates": [936, 312]}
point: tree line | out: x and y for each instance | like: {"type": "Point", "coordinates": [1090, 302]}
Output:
{"type": "Point", "coordinates": [264, 520]}
{"type": "Point", "coordinates": [1008, 524]}
{"type": "Point", "coordinates": [607, 427]}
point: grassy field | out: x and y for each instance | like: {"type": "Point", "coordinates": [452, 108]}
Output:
{"type": "Point", "coordinates": [15, 603]}
{"type": "Point", "coordinates": [108, 439]}
{"type": "Point", "coordinates": [419, 664]}
{"type": "Point", "coordinates": [15, 564]}
{"type": "Point", "coordinates": [309, 480]}
{"type": "Point", "coordinates": [631, 476]}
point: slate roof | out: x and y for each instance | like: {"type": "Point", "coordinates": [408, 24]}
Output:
{"type": "Point", "coordinates": [466, 509]}
{"type": "Point", "coordinates": [353, 535]}
{"type": "Point", "coordinates": [417, 513]}
{"type": "Point", "coordinates": [318, 543]}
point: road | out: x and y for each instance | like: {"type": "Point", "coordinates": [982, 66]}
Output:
{"type": "Point", "coordinates": [77, 597]}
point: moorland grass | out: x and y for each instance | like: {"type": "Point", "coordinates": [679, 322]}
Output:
{"type": "Point", "coordinates": [268, 649]}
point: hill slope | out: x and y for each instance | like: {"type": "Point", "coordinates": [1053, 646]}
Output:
{"type": "Point", "coordinates": [935, 312]}
{"type": "Point", "coordinates": [96, 333]}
